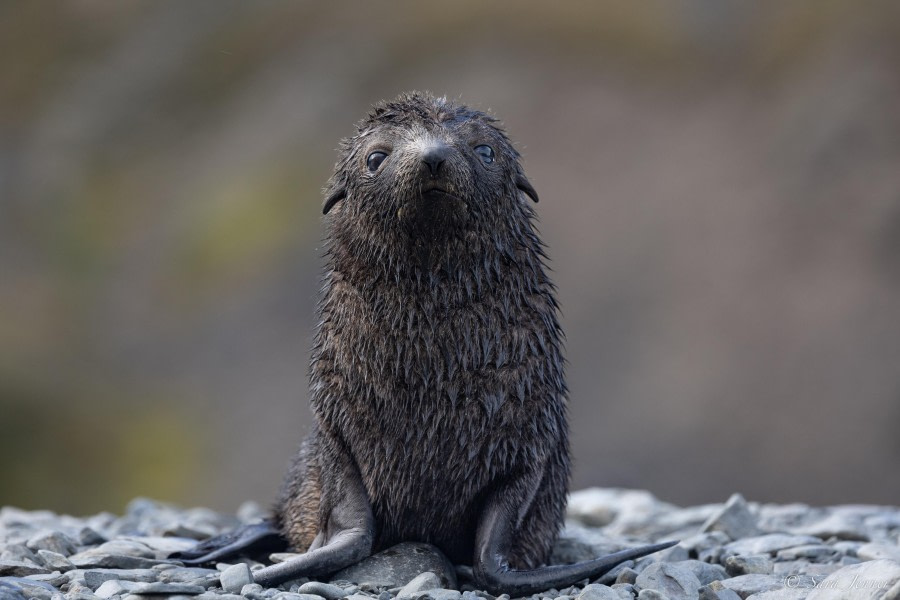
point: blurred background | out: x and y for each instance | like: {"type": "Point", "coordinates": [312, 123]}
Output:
{"type": "Point", "coordinates": [720, 186]}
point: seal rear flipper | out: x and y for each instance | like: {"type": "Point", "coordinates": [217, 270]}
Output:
{"type": "Point", "coordinates": [494, 538]}
{"type": "Point", "coordinates": [250, 540]}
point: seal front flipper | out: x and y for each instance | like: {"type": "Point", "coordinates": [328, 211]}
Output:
{"type": "Point", "coordinates": [250, 540]}
{"type": "Point", "coordinates": [502, 514]}
{"type": "Point", "coordinates": [348, 535]}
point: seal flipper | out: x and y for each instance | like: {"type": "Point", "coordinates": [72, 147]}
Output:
{"type": "Point", "coordinates": [250, 540]}
{"type": "Point", "coordinates": [497, 524]}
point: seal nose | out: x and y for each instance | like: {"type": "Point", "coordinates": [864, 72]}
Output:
{"type": "Point", "coordinates": [434, 157]}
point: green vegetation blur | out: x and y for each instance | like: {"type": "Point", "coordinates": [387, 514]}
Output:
{"type": "Point", "coordinates": [720, 196]}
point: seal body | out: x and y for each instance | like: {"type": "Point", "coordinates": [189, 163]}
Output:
{"type": "Point", "coordinates": [437, 371]}
{"type": "Point", "coordinates": [437, 364]}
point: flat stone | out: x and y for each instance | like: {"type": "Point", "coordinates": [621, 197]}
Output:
{"type": "Point", "coordinates": [154, 588]}
{"type": "Point", "coordinates": [421, 582]}
{"type": "Point", "coordinates": [326, 590]}
{"type": "Point", "coordinates": [748, 565]}
{"type": "Point", "coordinates": [875, 579]}
{"type": "Point", "coordinates": [878, 551]}
{"type": "Point", "coordinates": [747, 585]}
{"type": "Point", "coordinates": [802, 567]}
{"type": "Point", "coordinates": [649, 594]}
{"type": "Point", "coordinates": [161, 547]}
{"type": "Point", "coordinates": [785, 594]}
{"type": "Point", "coordinates": [188, 575]}
{"type": "Point", "coordinates": [55, 541]}
{"type": "Point", "coordinates": [295, 596]}
{"type": "Point", "coordinates": [769, 543]}
{"type": "Point", "coordinates": [21, 589]}
{"type": "Point", "coordinates": [625, 591]}
{"type": "Point", "coordinates": [54, 560]}
{"type": "Point", "coordinates": [708, 592]}
{"type": "Point", "coordinates": [596, 591]}
{"type": "Point", "coordinates": [400, 564]}
{"type": "Point", "coordinates": [16, 568]}
{"type": "Point", "coordinates": [437, 594]}
{"type": "Point", "coordinates": [114, 587]}
{"type": "Point", "coordinates": [94, 578]}
{"type": "Point", "coordinates": [843, 525]}
{"type": "Point", "coordinates": [19, 553]}
{"type": "Point", "coordinates": [735, 519]}
{"type": "Point", "coordinates": [705, 572]}
{"type": "Point", "coordinates": [810, 552]}
{"type": "Point", "coordinates": [92, 559]}
{"type": "Point", "coordinates": [676, 582]}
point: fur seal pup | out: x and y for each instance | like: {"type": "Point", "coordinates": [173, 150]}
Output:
{"type": "Point", "coordinates": [437, 369]}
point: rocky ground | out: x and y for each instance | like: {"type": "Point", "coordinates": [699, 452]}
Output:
{"type": "Point", "coordinates": [727, 551]}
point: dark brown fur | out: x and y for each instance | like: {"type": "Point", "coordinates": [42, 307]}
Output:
{"type": "Point", "coordinates": [437, 363]}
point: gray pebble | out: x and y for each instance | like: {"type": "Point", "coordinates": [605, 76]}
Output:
{"type": "Point", "coordinates": [54, 541]}
{"type": "Point", "coordinates": [626, 575]}
{"type": "Point", "coordinates": [294, 596]}
{"type": "Point", "coordinates": [235, 577]}
{"type": "Point", "coordinates": [747, 585]}
{"type": "Point", "coordinates": [784, 594]}
{"type": "Point", "coordinates": [17, 568]}
{"type": "Point", "coordinates": [189, 575]}
{"type": "Point", "coordinates": [651, 595]}
{"type": "Point", "coordinates": [421, 582]}
{"type": "Point", "coordinates": [676, 582]}
{"type": "Point", "coordinates": [881, 576]}
{"type": "Point", "coordinates": [437, 594]}
{"type": "Point", "coordinates": [88, 537]}
{"type": "Point", "coordinates": [612, 576]}
{"type": "Point", "coordinates": [769, 544]}
{"type": "Point", "coordinates": [813, 552]}
{"type": "Point", "coordinates": [251, 588]}
{"type": "Point", "coordinates": [708, 592]}
{"type": "Point", "coordinates": [625, 591]}
{"type": "Point", "coordinates": [114, 587]}
{"type": "Point", "coordinates": [95, 577]}
{"type": "Point", "coordinates": [705, 572]}
{"type": "Point", "coordinates": [168, 588]}
{"type": "Point", "coordinates": [54, 560]}
{"type": "Point", "coordinates": [734, 519]}
{"type": "Point", "coordinates": [878, 551]}
{"type": "Point", "coordinates": [98, 559]}
{"type": "Point", "coordinates": [595, 591]}
{"type": "Point", "coordinates": [326, 590]}
{"type": "Point", "coordinates": [19, 553]}
{"type": "Point", "coordinates": [836, 524]}
{"type": "Point", "coordinates": [399, 565]}
{"type": "Point", "coordinates": [748, 565]}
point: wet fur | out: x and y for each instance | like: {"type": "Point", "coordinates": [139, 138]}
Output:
{"type": "Point", "coordinates": [437, 362]}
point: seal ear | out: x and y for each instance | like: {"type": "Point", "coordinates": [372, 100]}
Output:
{"type": "Point", "coordinates": [337, 194]}
{"type": "Point", "coordinates": [523, 184]}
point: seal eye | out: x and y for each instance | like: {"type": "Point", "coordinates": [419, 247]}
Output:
{"type": "Point", "coordinates": [374, 161]}
{"type": "Point", "coordinates": [485, 153]}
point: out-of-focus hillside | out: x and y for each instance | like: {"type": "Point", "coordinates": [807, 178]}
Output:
{"type": "Point", "coordinates": [720, 187]}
